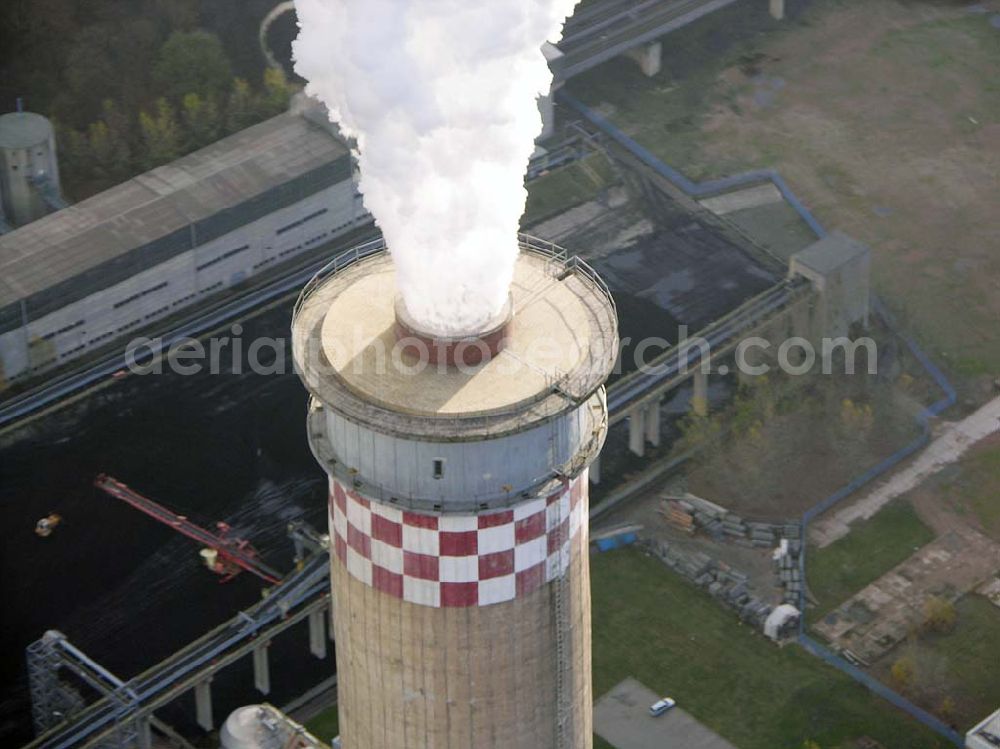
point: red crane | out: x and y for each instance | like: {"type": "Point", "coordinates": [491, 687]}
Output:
{"type": "Point", "coordinates": [223, 555]}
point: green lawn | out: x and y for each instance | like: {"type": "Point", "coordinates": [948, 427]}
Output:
{"type": "Point", "coordinates": [974, 684]}
{"type": "Point", "coordinates": [675, 639]}
{"type": "Point", "coordinates": [871, 549]}
{"type": "Point", "coordinates": [567, 187]}
{"type": "Point", "coordinates": [325, 726]}
{"type": "Point", "coordinates": [954, 668]}
{"type": "Point", "coordinates": [975, 487]}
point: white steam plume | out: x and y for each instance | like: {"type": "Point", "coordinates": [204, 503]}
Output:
{"type": "Point", "coordinates": [441, 97]}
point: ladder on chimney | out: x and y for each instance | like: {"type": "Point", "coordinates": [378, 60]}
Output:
{"type": "Point", "coordinates": [562, 625]}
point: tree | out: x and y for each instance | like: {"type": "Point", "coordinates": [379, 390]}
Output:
{"type": "Point", "coordinates": [90, 74]}
{"type": "Point", "coordinates": [240, 107]}
{"type": "Point", "coordinates": [75, 157]}
{"type": "Point", "coordinates": [117, 162]}
{"type": "Point", "coordinates": [902, 673]}
{"type": "Point", "coordinates": [160, 135]}
{"type": "Point", "coordinates": [201, 121]}
{"type": "Point", "coordinates": [179, 14]}
{"type": "Point", "coordinates": [276, 95]}
{"type": "Point", "coordinates": [192, 62]}
{"type": "Point", "coordinates": [99, 143]}
{"type": "Point", "coordinates": [946, 710]}
{"type": "Point", "coordinates": [939, 615]}
{"type": "Point", "coordinates": [135, 43]}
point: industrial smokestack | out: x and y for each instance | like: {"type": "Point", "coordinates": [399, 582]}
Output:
{"type": "Point", "coordinates": [441, 98]}
{"type": "Point", "coordinates": [458, 504]}
{"type": "Point", "coordinates": [457, 393]}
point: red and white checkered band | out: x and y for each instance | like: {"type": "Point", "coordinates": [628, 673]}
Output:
{"type": "Point", "coordinates": [444, 560]}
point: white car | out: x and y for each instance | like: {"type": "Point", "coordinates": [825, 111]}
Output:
{"type": "Point", "coordinates": [659, 708]}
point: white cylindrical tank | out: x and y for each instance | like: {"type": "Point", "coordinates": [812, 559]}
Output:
{"type": "Point", "coordinates": [240, 731]}
{"type": "Point", "coordinates": [264, 727]}
{"type": "Point", "coordinates": [29, 171]}
{"type": "Point", "coordinates": [458, 505]}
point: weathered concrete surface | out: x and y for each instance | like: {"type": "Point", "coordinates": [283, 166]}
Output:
{"type": "Point", "coordinates": [621, 717]}
{"type": "Point", "coordinates": [873, 621]}
{"type": "Point", "coordinates": [739, 200]}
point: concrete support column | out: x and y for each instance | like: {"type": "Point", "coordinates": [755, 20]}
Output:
{"type": "Point", "coordinates": [778, 9]}
{"type": "Point", "coordinates": [652, 424]}
{"type": "Point", "coordinates": [547, 108]}
{"type": "Point", "coordinates": [595, 471]}
{"type": "Point", "coordinates": [637, 432]}
{"type": "Point", "coordinates": [144, 733]}
{"type": "Point", "coordinates": [649, 57]}
{"type": "Point", "coordinates": [203, 704]}
{"type": "Point", "coordinates": [262, 668]}
{"type": "Point", "coordinates": [317, 633]}
{"type": "Point", "coordinates": [699, 399]}
{"type": "Point", "coordinates": [546, 104]}
{"type": "Point", "coordinates": [803, 325]}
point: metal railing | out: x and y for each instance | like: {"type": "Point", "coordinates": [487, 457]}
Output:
{"type": "Point", "coordinates": [339, 262]}
{"type": "Point", "coordinates": [559, 264]}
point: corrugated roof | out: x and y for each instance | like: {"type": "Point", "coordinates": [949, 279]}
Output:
{"type": "Point", "coordinates": [157, 203]}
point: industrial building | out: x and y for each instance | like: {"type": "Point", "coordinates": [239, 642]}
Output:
{"type": "Point", "coordinates": [458, 503]}
{"type": "Point", "coordinates": [105, 268]}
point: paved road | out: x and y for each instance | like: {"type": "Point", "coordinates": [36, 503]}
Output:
{"type": "Point", "coordinates": [954, 440]}
{"type": "Point", "coordinates": [621, 717]}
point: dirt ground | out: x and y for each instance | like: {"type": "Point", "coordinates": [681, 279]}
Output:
{"type": "Point", "coordinates": [789, 449]}
{"type": "Point", "coordinates": [755, 563]}
{"type": "Point", "coordinates": [885, 117]}
{"type": "Point", "coordinates": [882, 115]}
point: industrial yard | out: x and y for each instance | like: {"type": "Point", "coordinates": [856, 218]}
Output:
{"type": "Point", "coordinates": [417, 558]}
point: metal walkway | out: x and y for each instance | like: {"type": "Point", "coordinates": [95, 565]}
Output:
{"type": "Point", "coordinates": [605, 30]}
{"type": "Point", "coordinates": [679, 362]}
{"type": "Point", "coordinates": [120, 711]}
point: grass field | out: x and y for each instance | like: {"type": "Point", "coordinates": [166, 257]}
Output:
{"type": "Point", "coordinates": [871, 549]}
{"type": "Point", "coordinates": [674, 639]}
{"type": "Point", "coordinates": [566, 187]}
{"type": "Point", "coordinates": [884, 116]}
{"type": "Point", "coordinates": [956, 666]}
{"type": "Point", "coordinates": [972, 487]}
{"type": "Point", "coordinates": [325, 726]}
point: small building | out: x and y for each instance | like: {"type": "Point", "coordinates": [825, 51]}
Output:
{"type": "Point", "coordinates": [985, 735]}
{"type": "Point", "coordinates": [839, 268]}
